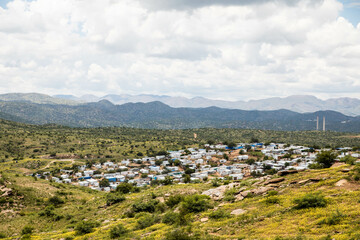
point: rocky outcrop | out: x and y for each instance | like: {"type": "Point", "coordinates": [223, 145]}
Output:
{"type": "Point", "coordinates": [219, 192]}
{"type": "Point", "coordinates": [287, 172]}
{"type": "Point", "coordinates": [274, 180]}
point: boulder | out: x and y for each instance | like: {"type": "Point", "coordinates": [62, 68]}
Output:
{"type": "Point", "coordinates": [238, 198]}
{"type": "Point", "coordinates": [204, 219]}
{"type": "Point", "coordinates": [341, 183]}
{"type": "Point", "coordinates": [304, 181]}
{"type": "Point", "coordinates": [274, 180]}
{"type": "Point", "coordinates": [261, 190]}
{"type": "Point", "coordinates": [238, 212]}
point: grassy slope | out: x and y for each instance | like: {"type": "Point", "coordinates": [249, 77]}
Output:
{"type": "Point", "coordinates": [261, 221]}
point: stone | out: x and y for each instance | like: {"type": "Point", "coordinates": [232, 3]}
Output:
{"type": "Point", "coordinates": [274, 180]}
{"type": "Point", "coordinates": [238, 197]}
{"type": "Point", "coordinates": [160, 199]}
{"type": "Point", "coordinates": [245, 193]}
{"type": "Point", "coordinates": [341, 183]}
{"type": "Point", "coordinates": [304, 181]}
{"type": "Point", "coordinates": [345, 170]}
{"type": "Point", "coordinates": [261, 190]}
{"type": "Point", "coordinates": [204, 219]}
{"type": "Point", "coordinates": [238, 212]}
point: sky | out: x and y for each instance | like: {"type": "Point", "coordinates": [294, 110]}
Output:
{"type": "Point", "coordinates": [219, 49]}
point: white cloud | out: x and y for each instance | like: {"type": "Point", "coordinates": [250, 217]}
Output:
{"type": "Point", "coordinates": [221, 49]}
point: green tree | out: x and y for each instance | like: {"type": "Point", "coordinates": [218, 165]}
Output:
{"type": "Point", "coordinates": [104, 183]}
{"type": "Point", "coordinates": [326, 158]}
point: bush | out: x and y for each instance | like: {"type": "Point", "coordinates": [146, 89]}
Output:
{"type": "Point", "coordinates": [2, 235]}
{"type": "Point", "coordinates": [56, 201]}
{"type": "Point", "coordinates": [27, 230]}
{"type": "Point", "coordinates": [310, 200]}
{"type": "Point", "coordinates": [272, 200]}
{"type": "Point", "coordinates": [48, 211]}
{"type": "Point", "coordinates": [117, 231]}
{"type": "Point", "coordinates": [333, 219]}
{"type": "Point", "coordinates": [171, 218]}
{"type": "Point", "coordinates": [85, 227]}
{"type": "Point", "coordinates": [124, 188]}
{"type": "Point", "coordinates": [178, 234]}
{"type": "Point", "coordinates": [218, 214]}
{"type": "Point", "coordinates": [113, 198]}
{"type": "Point", "coordinates": [272, 193]}
{"type": "Point", "coordinates": [195, 203]}
{"type": "Point", "coordinates": [174, 200]}
{"type": "Point", "coordinates": [146, 221]}
{"type": "Point", "coordinates": [149, 206]}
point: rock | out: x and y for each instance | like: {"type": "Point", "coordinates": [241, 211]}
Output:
{"type": "Point", "coordinates": [345, 170]}
{"type": "Point", "coordinates": [304, 181]}
{"type": "Point", "coordinates": [167, 195]}
{"type": "Point", "coordinates": [314, 179]}
{"type": "Point", "coordinates": [218, 193]}
{"type": "Point", "coordinates": [238, 212]}
{"type": "Point", "coordinates": [106, 221]}
{"type": "Point", "coordinates": [274, 180]}
{"type": "Point", "coordinates": [160, 199]}
{"type": "Point", "coordinates": [341, 183]}
{"type": "Point", "coordinates": [238, 197]}
{"type": "Point", "coordinates": [204, 219]}
{"type": "Point", "coordinates": [261, 190]}
{"type": "Point", "coordinates": [245, 193]}
{"type": "Point", "coordinates": [293, 182]}
{"type": "Point", "coordinates": [287, 172]}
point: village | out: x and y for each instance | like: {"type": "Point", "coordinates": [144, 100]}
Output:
{"type": "Point", "coordinates": [219, 162]}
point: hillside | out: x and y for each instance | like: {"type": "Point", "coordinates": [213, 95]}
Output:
{"type": "Point", "coordinates": [160, 116]}
{"type": "Point", "coordinates": [263, 214]}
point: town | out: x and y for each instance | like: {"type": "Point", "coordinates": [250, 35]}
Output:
{"type": "Point", "coordinates": [219, 162]}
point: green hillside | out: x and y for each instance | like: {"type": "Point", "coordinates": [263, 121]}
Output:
{"type": "Point", "coordinates": [326, 208]}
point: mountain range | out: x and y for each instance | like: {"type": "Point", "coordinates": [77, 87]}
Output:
{"type": "Point", "coordinates": [299, 103]}
{"type": "Point", "coordinates": [161, 116]}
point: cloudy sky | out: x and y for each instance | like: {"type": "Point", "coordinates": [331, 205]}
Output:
{"type": "Point", "coordinates": [221, 49]}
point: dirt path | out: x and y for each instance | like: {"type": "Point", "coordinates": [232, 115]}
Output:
{"type": "Point", "coordinates": [58, 160]}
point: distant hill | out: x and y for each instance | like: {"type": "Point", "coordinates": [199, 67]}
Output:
{"type": "Point", "coordinates": [160, 116]}
{"type": "Point", "coordinates": [36, 98]}
{"type": "Point", "coordinates": [299, 103]}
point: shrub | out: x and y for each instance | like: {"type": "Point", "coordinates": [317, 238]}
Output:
{"type": "Point", "coordinates": [27, 230]}
{"type": "Point", "coordinates": [174, 200]}
{"type": "Point", "coordinates": [215, 182]}
{"type": "Point", "coordinates": [178, 234]}
{"type": "Point", "coordinates": [229, 195]}
{"type": "Point", "coordinates": [195, 203]}
{"type": "Point", "coordinates": [124, 188]}
{"type": "Point", "coordinates": [272, 193]}
{"type": "Point", "coordinates": [146, 221]}
{"type": "Point", "coordinates": [117, 231]}
{"type": "Point", "coordinates": [48, 211]}
{"type": "Point", "coordinates": [148, 206]}
{"type": "Point", "coordinates": [171, 218]}
{"type": "Point", "coordinates": [56, 200]}
{"type": "Point", "coordinates": [113, 198]}
{"type": "Point", "coordinates": [85, 227]}
{"type": "Point", "coordinates": [218, 214]}
{"type": "Point", "coordinates": [333, 219]}
{"type": "Point", "coordinates": [272, 200]}
{"type": "Point", "coordinates": [310, 200]}
{"type": "Point", "coordinates": [2, 235]}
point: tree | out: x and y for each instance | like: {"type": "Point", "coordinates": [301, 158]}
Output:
{"type": "Point", "coordinates": [104, 183]}
{"type": "Point", "coordinates": [232, 145]}
{"type": "Point", "coordinates": [326, 158]}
